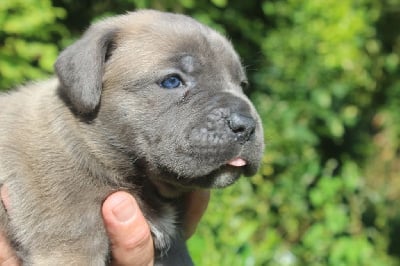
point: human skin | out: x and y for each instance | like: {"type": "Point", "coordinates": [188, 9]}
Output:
{"type": "Point", "coordinates": [129, 233]}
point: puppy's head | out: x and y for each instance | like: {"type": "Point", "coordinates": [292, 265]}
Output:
{"type": "Point", "coordinates": [167, 91]}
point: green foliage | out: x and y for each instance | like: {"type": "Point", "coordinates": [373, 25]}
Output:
{"type": "Point", "coordinates": [28, 29]}
{"type": "Point", "coordinates": [318, 88]}
{"type": "Point", "coordinates": [325, 81]}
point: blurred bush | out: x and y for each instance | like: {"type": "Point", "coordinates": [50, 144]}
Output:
{"type": "Point", "coordinates": [29, 37]}
{"type": "Point", "coordinates": [325, 78]}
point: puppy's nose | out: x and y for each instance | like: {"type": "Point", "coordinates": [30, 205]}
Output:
{"type": "Point", "coordinates": [243, 126]}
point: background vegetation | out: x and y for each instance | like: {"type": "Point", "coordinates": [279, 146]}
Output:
{"type": "Point", "coordinates": [325, 78]}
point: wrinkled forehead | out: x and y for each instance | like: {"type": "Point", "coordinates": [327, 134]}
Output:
{"type": "Point", "coordinates": [160, 38]}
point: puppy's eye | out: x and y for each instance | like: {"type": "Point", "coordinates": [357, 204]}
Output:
{"type": "Point", "coordinates": [171, 82]}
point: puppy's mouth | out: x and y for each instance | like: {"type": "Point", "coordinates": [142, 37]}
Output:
{"type": "Point", "coordinates": [237, 162]}
{"type": "Point", "coordinates": [221, 177]}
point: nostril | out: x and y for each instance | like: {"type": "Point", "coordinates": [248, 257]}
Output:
{"type": "Point", "coordinates": [243, 126]}
{"type": "Point", "coordinates": [235, 127]}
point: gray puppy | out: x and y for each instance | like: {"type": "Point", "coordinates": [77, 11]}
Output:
{"type": "Point", "coordinates": [148, 102]}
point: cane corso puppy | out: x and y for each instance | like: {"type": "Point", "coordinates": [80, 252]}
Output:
{"type": "Point", "coordinates": [148, 102]}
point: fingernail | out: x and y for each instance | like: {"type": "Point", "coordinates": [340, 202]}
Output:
{"type": "Point", "coordinates": [123, 209]}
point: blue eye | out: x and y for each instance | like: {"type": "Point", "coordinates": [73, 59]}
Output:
{"type": "Point", "coordinates": [171, 82]}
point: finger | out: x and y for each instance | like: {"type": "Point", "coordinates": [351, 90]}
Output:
{"type": "Point", "coordinates": [129, 233]}
{"type": "Point", "coordinates": [4, 197]}
{"type": "Point", "coordinates": [196, 205]}
{"type": "Point", "coordinates": [7, 255]}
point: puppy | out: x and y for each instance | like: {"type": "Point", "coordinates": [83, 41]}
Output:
{"type": "Point", "coordinates": [148, 102]}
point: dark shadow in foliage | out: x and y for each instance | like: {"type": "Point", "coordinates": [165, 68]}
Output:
{"type": "Point", "coordinates": [394, 235]}
{"type": "Point", "coordinates": [390, 39]}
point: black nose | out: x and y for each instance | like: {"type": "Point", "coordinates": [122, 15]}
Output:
{"type": "Point", "coordinates": [243, 126]}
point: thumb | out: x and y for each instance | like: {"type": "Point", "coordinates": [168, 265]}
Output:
{"type": "Point", "coordinates": [129, 233]}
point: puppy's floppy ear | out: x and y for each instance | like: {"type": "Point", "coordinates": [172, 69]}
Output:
{"type": "Point", "coordinates": [80, 67]}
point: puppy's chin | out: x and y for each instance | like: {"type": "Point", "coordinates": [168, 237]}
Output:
{"type": "Point", "coordinates": [220, 178]}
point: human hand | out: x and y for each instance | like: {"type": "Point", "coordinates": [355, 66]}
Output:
{"type": "Point", "coordinates": [126, 226]}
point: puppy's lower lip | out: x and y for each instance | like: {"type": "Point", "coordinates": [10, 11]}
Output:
{"type": "Point", "coordinates": [237, 162]}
